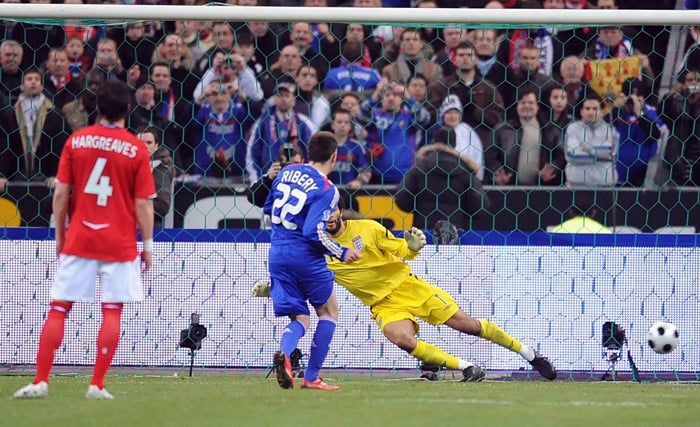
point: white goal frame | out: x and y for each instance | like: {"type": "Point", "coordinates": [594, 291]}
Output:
{"type": "Point", "coordinates": [223, 12]}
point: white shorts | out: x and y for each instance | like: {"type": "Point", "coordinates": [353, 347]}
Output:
{"type": "Point", "coordinates": [76, 279]}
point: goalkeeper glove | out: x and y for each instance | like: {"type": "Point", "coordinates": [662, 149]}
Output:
{"type": "Point", "coordinates": [261, 288]}
{"type": "Point", "coordinates": [415, 239]}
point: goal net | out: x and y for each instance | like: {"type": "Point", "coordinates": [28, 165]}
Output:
{"type": "Point", "coordinates": [551, 156]}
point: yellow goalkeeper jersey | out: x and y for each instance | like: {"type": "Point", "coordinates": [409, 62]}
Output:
{"type": "Point", "coordinates": [381, 268]}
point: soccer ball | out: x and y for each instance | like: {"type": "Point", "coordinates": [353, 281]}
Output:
{"type": "Point", "coordinates": [663, 337]}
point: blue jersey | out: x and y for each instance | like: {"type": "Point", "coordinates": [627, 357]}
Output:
{"type": "Point", "coordinates": [352, 78]}
{"type": "Point", "coordinates": [350, 161]}
{"type": "Point", "coordinates": [299, 204]}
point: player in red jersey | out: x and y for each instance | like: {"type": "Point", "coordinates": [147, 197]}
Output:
{"type": "Point", "coordinates": [108, 170]}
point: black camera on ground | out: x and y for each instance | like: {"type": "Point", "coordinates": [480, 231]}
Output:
{"type": "Point", "coordinates": [192, 336]}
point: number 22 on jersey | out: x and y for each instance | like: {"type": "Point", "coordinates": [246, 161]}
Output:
{"type": "Point", "coordinates": [98, 184]}
{"type": "Point", "coordinates": [285, 208]}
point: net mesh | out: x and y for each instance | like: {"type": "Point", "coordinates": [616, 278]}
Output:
{"type": "Point", "coordinates": [482, 135]}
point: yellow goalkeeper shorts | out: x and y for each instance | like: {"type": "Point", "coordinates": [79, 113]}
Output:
{"type": "Point", "coordinates": [415, 298]}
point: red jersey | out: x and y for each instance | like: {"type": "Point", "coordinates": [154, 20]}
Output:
{"type": "Point", "coordinates": [109, 168]}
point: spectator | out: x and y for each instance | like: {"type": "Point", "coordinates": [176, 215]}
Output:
{"type": "Point", "coordinates": [482, 104]}
{"type": "Point", "coordinates": [230, 68]}
{"type": "Point", "coordinates": [351, 168]}
{"type": "Point", "coordinates": [107, 61]}
{"type": "Point", "coordinates": [352, 76]}
{"type": "Point", "coordinates": [394, 125]}
{"type": "Point", "coordinates": [680, 110]}
{"type": "Point", "coordinates": [417, 89]}
{"type": "Point", "coordinates": [183, 72]}
{"type": "Point", "coordinates": [412, 61]}
{"type": "Point", "coordinates": [466, 140]}
{"type": "Point", "coordinates": [10, 152]}
{"type": "Point", "coordinates": [371, 46]}
{"type": "Point", "coordinates": [224, 41]}
{"type": "Point", "coordinates": [639, 127]}
{"type": "Point", "coordinates": [254, 60]}
{"type": "Point", "coordinates": [37, 39]}
{"type": "Point", "coordinates": [286, 68]}
{"type": "Point", "coordinates": [574, 41]}
{"type": "Point", "coordinates": [526, 78]}
{"type": "Point", "coordinates": [279, 124]}
{"type": "Point", "coordinates": [554, 118]}
{"type": "Point", "coordinates": [442, 185]}
{"type": "Point", "coordinates": [11, 54]}
{"type": "Point", "coordinates": [41, 129]}
{"type": "Point", "coordinates": [323, 59]}
{"type": "Point", "coordinates": [610, 43]}
{"type": "Point", "coordinates": [169, 112]}
{"type": "Point", "coordinates": [310, 101]}
{"type": "Point", "coordinates": [197, 36]}
{"type": "Point", "coordinates": [548, 41]}
{"type": "Point", "coordinates": [613, 44]}
{"type": "Point", "coordinates": [350, 101]}
{"type": "Point", "coordinates": [162, 167]}
{"type": "Point", "coordinates": [571, 75]}
{"type": "Point", "coordinates": [258, 191]}
{"type": "Point", "coordinates": [520, 156]}
{"type": "Point", "coordinates": [591, 147]}
{"type": "Point", "coordinates": [135, 46]}
{"type": "Point", "coordinates": [80, 63]}
{"type": "Point", "coordinates": [220, 134]}
{"type": "Point", "coordinates": [489, 63]}
{"type": "Point", "coordinates": [59, 84]}
{"type": "Point", "coordinates": [87, 33]}
{"type": "Point", "coordinates": [267, 44]}
{"type": "Point", "coordinates": [432, 35]}
{"type": "Point", "coordinates": [83, 110]}
{"type": "Point", "coordinates": [324, 34]}
{"type": "Point", "coordinates": [452, 37]}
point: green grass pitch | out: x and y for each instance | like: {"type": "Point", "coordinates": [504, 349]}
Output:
{"type": "Point", "coordinates": [236, 399]}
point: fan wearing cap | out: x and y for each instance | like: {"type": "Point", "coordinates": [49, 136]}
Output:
{"type": "Point", "coordinates": [467, 141]}
{"type": "Point", "coordinates": [279, 124]}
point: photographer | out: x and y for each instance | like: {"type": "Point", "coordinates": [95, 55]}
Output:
{"type": "Point", "coordinates": [258, 191]}
{"type": "Point", "coordinates": [640, 129]}
{"type": "Point", "coordinates": [230, 68]}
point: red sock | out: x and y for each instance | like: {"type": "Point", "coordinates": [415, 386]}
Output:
{"type": "Point", "coordinates": [51, 339]}
{"type": "Point", "coordinates": [107, 341]}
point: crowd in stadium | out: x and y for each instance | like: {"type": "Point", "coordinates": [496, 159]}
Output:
{"type": "Point", "coordinates": [531, 106]}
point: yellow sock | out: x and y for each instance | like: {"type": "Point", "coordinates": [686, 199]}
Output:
{"type": "Point", "coordinates": [431, 354]}
{"type": "Point", "coordinates": [492, 332]}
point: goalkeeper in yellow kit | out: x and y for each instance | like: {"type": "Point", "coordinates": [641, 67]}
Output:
{"type": "Point", "coordinates": [396, 297]}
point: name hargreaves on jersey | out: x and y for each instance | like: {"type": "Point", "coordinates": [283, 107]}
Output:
{"type": "Point", "coordinates": [105, 143]}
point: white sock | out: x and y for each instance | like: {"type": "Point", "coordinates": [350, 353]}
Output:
{"type": "Point", "coordinates": [527, 352]}
{"type": "Point", "coordinates": [464, 364]}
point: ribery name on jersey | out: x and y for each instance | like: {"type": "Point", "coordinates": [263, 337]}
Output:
{"type": "Point", "coordinates": [305, 181]}
{"type": "Point", "coordinates": [105, 143]}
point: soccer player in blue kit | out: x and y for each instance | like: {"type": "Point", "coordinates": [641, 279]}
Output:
{"type": "Point", "coordinates": [299, 204]}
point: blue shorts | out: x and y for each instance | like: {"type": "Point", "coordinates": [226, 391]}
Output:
{"type": "Point", "coordinates": [298, 275]}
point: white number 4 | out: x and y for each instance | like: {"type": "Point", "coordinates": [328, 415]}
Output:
{"type": "Point", "coordinates": [98, 184]}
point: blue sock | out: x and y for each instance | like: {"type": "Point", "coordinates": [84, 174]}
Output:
{"type": "Point", "coordinates": [291, 335]}
{"type": "Point", "coordinates": [319, 347]}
